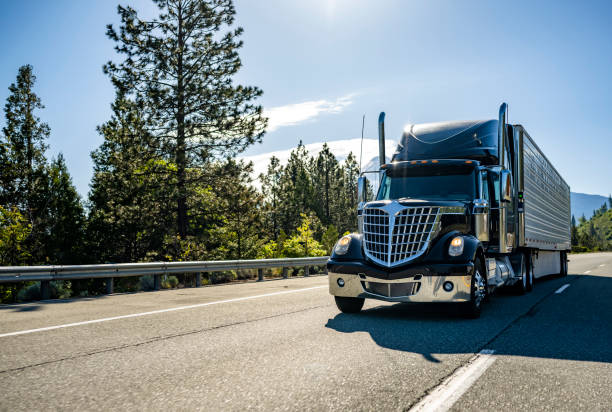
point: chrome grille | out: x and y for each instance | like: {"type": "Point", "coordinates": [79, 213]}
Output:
{"type": "Point", "coordinates": [394, 234]}
{"type": "Point", "coordinates": [376, 233]}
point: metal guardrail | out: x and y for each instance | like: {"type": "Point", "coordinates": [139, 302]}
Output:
{"type": "Point", "coordinates": [45, 274]}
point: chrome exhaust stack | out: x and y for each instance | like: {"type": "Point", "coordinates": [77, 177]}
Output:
{"type": "Point", "coordinates": [502, 132]}
{"type": "Point", "coordinates": [381, 139]}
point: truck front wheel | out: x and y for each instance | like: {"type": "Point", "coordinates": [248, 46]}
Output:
{"type": "Point", "coordinates": [478, 291]}
{"type": "Point", "coordinates": [349, 305]}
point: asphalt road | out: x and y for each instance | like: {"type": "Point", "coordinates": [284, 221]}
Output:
{"type": "Point", "coordinates": [230, 348]}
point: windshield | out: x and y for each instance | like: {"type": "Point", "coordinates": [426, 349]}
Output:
{"type": "Point", "coordinates": [434, 183]}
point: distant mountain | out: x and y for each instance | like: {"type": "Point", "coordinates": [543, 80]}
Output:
{"type": "Point", "coordinates": [583, 203]}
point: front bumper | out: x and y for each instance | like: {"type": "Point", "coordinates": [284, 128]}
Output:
{"type": "Point", "coordinates": [411, 286]}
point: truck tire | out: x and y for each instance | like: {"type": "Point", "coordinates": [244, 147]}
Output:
{"type": "Point", "coordinates": [563, 272]}
{"type": "Point", "coordinates": [525, 284]}
{"type": "Point", "coordinates": [349, 305]}
{"type": "Point", "coordinates": [529, 263]}
{"type": "Point", "coordinates": [478, 291]}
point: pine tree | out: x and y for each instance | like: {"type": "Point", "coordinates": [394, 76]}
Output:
{"type": "Point", "coordinates": [23, 173]}
{"type": "Point", "coordinates": [297, 188]}
{"type": "Point", "coordinates": [130, 208]}
{"type": "Point", "coordinates": [23, 145]}
{"type": "Point", "coordinates": [272, 191]}
{"type": "Point", "coordinates": [345, 211]}
{"type": "Point", "coordinates": [65, 217]}
{"type": "Point", "coordinates": [179, 66]}
{"type": "Point", "coordinates": [324, 169]}
{"type": "Point", "coordinates": [241, 210]}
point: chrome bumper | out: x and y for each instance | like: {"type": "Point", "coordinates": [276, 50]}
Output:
{"type": "Point", "coordinates": [410, 289]}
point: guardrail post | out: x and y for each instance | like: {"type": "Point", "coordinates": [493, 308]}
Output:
{"type": "Point", "coordinates": [110, 287]}
{"type": "Point", "coordinates": [198, 279]}
{"type": "Point", "coordinates": [156, 282]}
{"type": "Point", "coordinates": [260, 275]}
{"type": "Point", "coordinates": [285, 269]}
{"type": "Point", "coordinates": [306, 271]}
{"type": "Point", "coordinates": [45, 289]}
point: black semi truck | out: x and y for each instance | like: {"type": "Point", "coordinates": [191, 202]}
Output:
{"type": "Point", "coordinates": [461, 209]}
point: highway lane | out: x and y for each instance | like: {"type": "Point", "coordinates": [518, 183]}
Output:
{"type": "Point", "coordinates": [288, 351]}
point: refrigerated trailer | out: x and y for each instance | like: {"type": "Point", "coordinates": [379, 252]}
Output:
{"type": "Point", "coordinates": [462, 209]}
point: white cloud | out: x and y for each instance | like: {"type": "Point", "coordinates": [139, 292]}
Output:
{"type": "Point", "coordinates": [292, 114]}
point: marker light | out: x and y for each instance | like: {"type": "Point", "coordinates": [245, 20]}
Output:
{"type": "Point", "coordinates": [456, 246]}
{"type": "Point", "coordinates": [448, 286]}
{"type": "Point", "coordinates": [343, 245]}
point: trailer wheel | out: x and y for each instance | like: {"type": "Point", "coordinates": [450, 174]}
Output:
{"type": "Point", "coordinates": [478, 291]}
{"type": "Point", "coordinates": [349, 305]}
{"type": "Point", "coordinates": [563, 272]}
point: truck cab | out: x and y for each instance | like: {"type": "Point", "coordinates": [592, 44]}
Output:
{"type": "Point", "coordinates": [447, 221]}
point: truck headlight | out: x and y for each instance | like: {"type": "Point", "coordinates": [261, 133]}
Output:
{"type": "Point", "coordinates": [342, 245]}
{"type": "Point", "coordinates": [456, 246]}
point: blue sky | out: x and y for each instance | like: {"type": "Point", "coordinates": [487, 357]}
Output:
{"type": "Point", "coordinates": [324, 63]}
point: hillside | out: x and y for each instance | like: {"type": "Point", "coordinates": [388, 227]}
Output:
{"type": "Point", "coordinates": [595, 233]}
{"type": "Point", "coordinates": [583, 203]}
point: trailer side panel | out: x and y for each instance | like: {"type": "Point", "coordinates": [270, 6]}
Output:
{"type": "Point", "coordinates": [547, 213]}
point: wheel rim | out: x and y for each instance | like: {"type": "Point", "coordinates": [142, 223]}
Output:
{"type": "Point", "coordinates": [524, 274]}
{"type": "Point", "coordinates": [479, 288]}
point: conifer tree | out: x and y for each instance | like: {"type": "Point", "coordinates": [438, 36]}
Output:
{"type": "Point", "coordinates": [324, 169]}
{"type": "Point", "coordinates": [130, 208]}
{"type": "Point", "coordinates": [65, 217]}
{"type": "Point", "coordinates": [23, 146]}
{"type": "Point", "coordinates": [273, 196]}
{"type": "Point", "coordinates": [179, 66]}
{"type": "Point", "coordinates": [297, 188]}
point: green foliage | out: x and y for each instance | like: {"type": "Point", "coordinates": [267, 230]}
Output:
{"type": "Point", "coordinates": [329, 239]}
{"type": "Point", "coordinates": [319, 186]}
{"type": "Point", "coordinates": [59, 289]}
{"type": "Point", "coordinates": [14, 230]}
{"type": "Point", "coordinates": [65, 217]}
{"type": "Point", "coordinates": [594, 234]}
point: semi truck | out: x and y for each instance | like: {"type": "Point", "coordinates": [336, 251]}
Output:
{"type": "Point", "coordinates": [463, 208]}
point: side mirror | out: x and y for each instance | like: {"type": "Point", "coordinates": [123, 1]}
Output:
{"type": "Point", "coordinates": [362, 184]}
{"type": "Point", "coordinates": [506, 186]}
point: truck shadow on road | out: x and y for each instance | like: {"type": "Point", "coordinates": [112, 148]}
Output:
{"type": "Point", "coordinates": [574, 325]}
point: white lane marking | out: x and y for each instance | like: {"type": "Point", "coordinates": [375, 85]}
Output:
{"type": "Point", "coordinates": [444, 396]}
{"type": "Point", "coordinates": [155, 312]}
{"type": "Point", "coordinates": [562, 288]}
{"type": "Point", "coordinates": [602, 265]}
{"type": "Point", "coordinates": [587, 272]}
